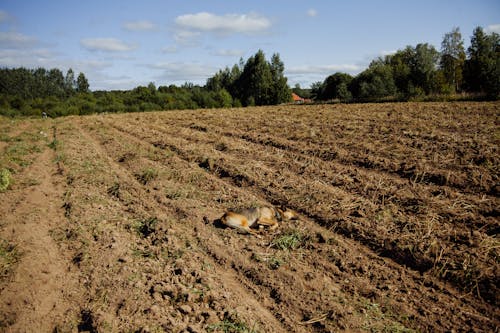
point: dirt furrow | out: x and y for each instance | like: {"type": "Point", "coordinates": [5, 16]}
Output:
{"type": "Point", "coordinates": [385, 241]}
{"type": "Point", "coordinates": [276, 288]}
{"type": "Point", "coordinates": [43, 291]}
{"type": "Point", "coordinates": [425, 152]}
{"type": "Point", "coordinates": [240, 300]}
{"type": "Point", "coordinates": [176, 145]}
{"type": "Point", "coordinates": [289, 315]}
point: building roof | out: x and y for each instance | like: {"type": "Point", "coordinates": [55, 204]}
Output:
{"type": "Point", "coordinates": [296, 98]}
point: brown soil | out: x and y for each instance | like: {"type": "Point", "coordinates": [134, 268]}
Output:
{"type": "Point", "coordinates": [115, 224]}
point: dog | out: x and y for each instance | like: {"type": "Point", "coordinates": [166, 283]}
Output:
{"type": "Point", "coordinates": [246, 219]}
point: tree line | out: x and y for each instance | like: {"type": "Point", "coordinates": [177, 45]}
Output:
{"type": "Point", "coordinates": [415, 72]}
{"type": "Point", "coordinates": [30, 92]}
{"type": "Point", "coordinates": [422, 72]}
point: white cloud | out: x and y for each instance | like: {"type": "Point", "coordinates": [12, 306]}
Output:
{"type": "Point", "coordinates": [48, 59]}
{"type": "Point", "coordinates": [386, 53]}
{"type": "Point", "coordinates": [16, 40]}
{"type": "Point", "coordinates": [139, 26]}
{"type": "Point", "coordinates": [493, 28]}
{"type": "Point", "coordinates": [223, 24]}
{"type": "Point", "coordinates": [323, 69]}
{"type": "Point", "coordinates": [229, 53]}
{"type": "Point", "coordinates": [186, 37]}
{"type": "Point", "coordinates": [170, 49]}
{"type": "Point", "coordinates": [308, 74]}
{"type": "Point", "coordinates": [312, 12]}
{"type": "Point", "coordinates": [106, 45]}
{"type": "Point", "coordinates": [180, 72]}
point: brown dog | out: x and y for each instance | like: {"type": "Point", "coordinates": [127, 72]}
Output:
{"type": "Point", "coordinates": [245, 219]}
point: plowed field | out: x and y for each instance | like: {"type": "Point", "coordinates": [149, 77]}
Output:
{"type": "Point", "coordinates": [111, 221]}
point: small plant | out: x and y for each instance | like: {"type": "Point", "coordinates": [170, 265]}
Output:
{"type": "Point", "coordinates": [53, 144]}
{"type": "Point", "coordinates": [231, 324]}
{"type": "Point", "coordinates": [273, 261]}
{"type": "Point", "coordinates": [148, 254]}
{"type": "Point", "coordinates": [288, 241]}
{"type": "Point", "coordinates": [114, 190]}
{"type": "Point", "coordinates": [5, 179]}
{"type": "Point", "coordinates": [147, 176]}
{"type": "Point", "coordinates": [145, 227]}
{"type": "Point", "coordinates": [8, 257]}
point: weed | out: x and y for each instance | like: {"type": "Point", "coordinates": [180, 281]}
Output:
{"type": "Point", "coordinates": [145, 227]}
{"type": "Point", "coordinates": [231, 324]}
{"type": "Point", "coordinates": [53, 144]}
{"type": "Point", "coordinates": [5, 179]}
{"type": "Point", "coordinates": [146, 176]}
{"type": "Point", "coordinates": [60, 158]}
{"type": "Point", "coordinates": [31, 182]}
{"type": "Point", "coordinates": [9, 255]}
{"type": "Point", "coordinates": [114, 190]}
{"type": "Point", "coordinates": [273, 261]}
{"type": "Point", "coordinates": [138, 253]}
{"type": "Point", "coordinates": [289, 241]}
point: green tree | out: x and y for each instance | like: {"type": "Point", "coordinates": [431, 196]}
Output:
{"type": "Point", "coordinates": [82, 85]}
{"type": "Point", "coordinates": [223, 98]}
{"type": "Point", "coordinates": [375, 82]}
{"type": "Point", "coordinates": [56, 82]}
{"type": "Point", "coordinates": [69, 82]}
{"type": "Point", "coordinates": [255, 83]}
{"type": "Point", "coordinates": [336, 87]}
{"type": "Point", "coordinates": [400, 63]}
{"type": "Point", "coordinates": [482, 69]}
{"type": "Point", "coordinates": [453, 58]}
{"type": "Point", "coordinates": [280, 90]}
{"type": "Point", "coordinates": [316, 90]}
{"type": "Point", "coordinates": [423, 66]}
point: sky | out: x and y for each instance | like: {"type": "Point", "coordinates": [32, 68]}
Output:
{"type": "Point", "coordinates": [123, 44]}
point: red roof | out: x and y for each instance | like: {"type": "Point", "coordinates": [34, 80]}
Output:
{"type": "Point", "coordinates": [297, 98]}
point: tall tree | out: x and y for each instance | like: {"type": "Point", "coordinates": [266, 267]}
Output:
{"type": "Point", "coordinates": [280, 90]}
{"type": "Point", "coordinates": [453, 58]}
{"type": "Point", "coordinates": [56, 82]}
{"type": "Point", "coordinates": [423, 66]}
{"type": "Point", "coordinates": [82, 85]}
{"type": "Point", "coordinates": [482, 69]}
{"type": "Point", "coordinates": [255, 81]}
{"type": "Point", "coordinates": [400, 63]}
{"type": "Point", "coordinates": [69, 82]}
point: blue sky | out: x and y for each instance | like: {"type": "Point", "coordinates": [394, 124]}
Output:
{"type": "Point", "coordinates": [122, 44]}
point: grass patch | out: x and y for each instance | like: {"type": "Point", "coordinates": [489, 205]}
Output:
{"type": "Point", "coordinates": [146, 176]}
{"type": "Point", "coordinates": [290, 240]}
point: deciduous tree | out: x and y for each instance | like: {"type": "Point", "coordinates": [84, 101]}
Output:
{"type": "Point", "coordinates": [82, 85]}
{"type": "Point", "coordinates": [453, 58]}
